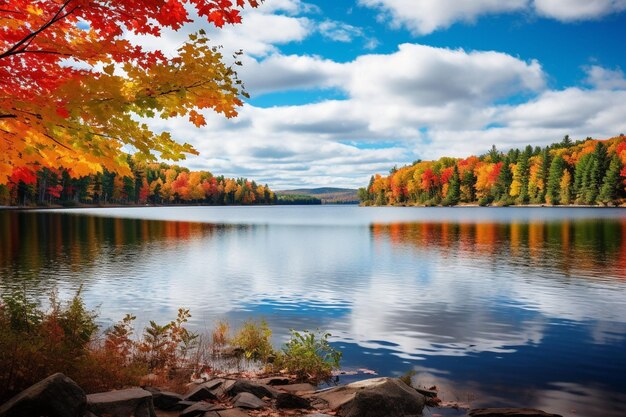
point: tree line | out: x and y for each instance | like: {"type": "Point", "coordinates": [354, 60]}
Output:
{"type": "Point", "coordinates": [150, 183]}
{"type": "Point", "coordinates": [584, 172]}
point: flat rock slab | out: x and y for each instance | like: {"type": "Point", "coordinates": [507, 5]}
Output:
{"type": "Point", "coordinates": [275, 380]}
{"type": "Point", "coordinates": [378, 397]}
{"type": "Point", "coordinates": [165, 400]}
{"type": "Point", "coordinates": [298, 388]}
{"type": "Point", "coordinates": [260, 390]}
{"type": "Point", "coordinates": [198, 409]}
{"type": "Point", "coordinates": [204, 391]}
{"type": "Point", "coordinates": [135, 402]}
{"type": "Point", "coordinates": [232, 412]}
{"type": "Point", "coordinates": [56, 395]}
{"type": "Point", "coordinates": [510, 412]}
{"type": "Point", "coordinates": [292, 401]}
{"type": "Point", "coordinates": [249, 401]}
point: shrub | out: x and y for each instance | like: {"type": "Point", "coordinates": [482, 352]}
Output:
{"type": "Point", "coordinates": [254, 338]}
{"type": "Point", "coordinates": [309, 356]}
{"type": "Point", "coordinates": [219, 335]}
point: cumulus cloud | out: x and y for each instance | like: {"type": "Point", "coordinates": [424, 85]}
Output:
{"type": "Point", "coordinates": [606, 79]}
{"type": "Point", "coordinates": [573, 10]}
{"type": "Point", "coordinates": [427, 16]}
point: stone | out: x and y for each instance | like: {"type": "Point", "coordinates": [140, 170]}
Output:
{"type": "Point", "coordinates": [260, 390]}
{"type": "Point", "coordinates": [291, 401]}
{"type": "Point", "coordinates": [378, 397]}
{"type": "Point", "coordinates": [202, 392]}
{"type": "Point", "coordinates": [55, 396]}
{"type": "Point", "coordinates": [199, 409]}
{"type": "Point", "coordinates": [223, 388]}
{"type": "Point", "coordinates": [135, 402]}
{"type": "Point", "coordinates": [510, 412]}
{"type": "Point", "coordinates": [232, 412]}
{"type": "Point", "coordinates": [275, 380]}
{"type": "Point", "coordinates": [249, 401]}
{"type": "Point", "coordinates": [298, 388]}
{"type": "Point", "coordinates": [166, 401]}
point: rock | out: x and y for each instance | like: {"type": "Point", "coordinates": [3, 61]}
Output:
{"type": "Point", "coordinates": [165, 400]}
{"type": "Point", "coordinates": [199, 409]}
{"type": "Point", "coordinates": [378, 397]}
{"type": "Point", "coordinates": [275, 380]}
{"type": "Point", "coordinates": [291, 401]}
{"type": "Point", "coordinates": [509, 412]}
{"type": "Point", "coordinates": [135, 402]}
{"type": "Point", "coordinates": [426, 392]}
{"type": "Point", "coordinates": [260, 390]}
{"type": "Point", "coordinates": [298, 388]}
{"type": "Point", "coordinates": [56, 396]}
{"type": "Point", "coordinates": [202, 392]}
{"type": "Point", "coordinates": [248, 400]}
{"type": "Point", "coordinates": [231, 412]}
{"type": "Point", "coordinates": [223, 388]}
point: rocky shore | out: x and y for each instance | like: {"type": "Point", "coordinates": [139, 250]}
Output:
{"type": "Point", "coordinates": [59, 396]}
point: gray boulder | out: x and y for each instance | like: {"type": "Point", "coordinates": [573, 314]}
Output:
{"type": "Point", "coordinates": [198, 409]}
{"type": "Point", "coordinates": [165, 400]}
{"type": "Point", "coordinates": [55, 396]}
{"type": "Point", "coordinates": [509, 412]}
{"type": "Point", "coordinates": [249, 401]}
{"type": "Point", "coordinates": [202, 392]}
{"type": "Point", "coordinates": [378, 397]}
{"type": "Point", "coordinates": [260, 390]}
{"type": "Point", "coordinates": [291, 401]}
{"type": "Point", "coordinates": [135, 402]}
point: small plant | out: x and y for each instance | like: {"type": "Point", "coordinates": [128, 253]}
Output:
{"type": "Point", "coordinates": [254, 338]}
{"type": "Point", "coordinates": [309, 356]}
{"type": "Point", "coordinates": [219, 336]}
{"type": "Point", "coordinates": [407, 377]}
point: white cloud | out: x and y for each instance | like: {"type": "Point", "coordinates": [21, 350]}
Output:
{"type": "Point", "coordinates": [426, 16]}
{"type": "Point", "coordinates": [573, 10]}
{"type": "Point", "coordinates": [606, 79]}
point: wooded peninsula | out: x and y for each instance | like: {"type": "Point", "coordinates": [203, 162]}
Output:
{"type": "Point", "coordinates": [585, 172]}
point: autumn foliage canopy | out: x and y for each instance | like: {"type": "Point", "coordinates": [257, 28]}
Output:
{"type": "Point", "coordinates": [74, 89]}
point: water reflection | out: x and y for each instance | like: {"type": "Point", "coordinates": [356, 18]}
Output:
{"type": "Point", "coordinates": [504, 306]}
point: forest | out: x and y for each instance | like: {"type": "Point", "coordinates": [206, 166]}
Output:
{"type": "Point", "coordinates": [150, 183]}
{"type": "Point", "coordinates": [584, 172]}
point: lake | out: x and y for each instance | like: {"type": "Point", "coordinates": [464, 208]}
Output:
{"type": "Point", "coordinates": [495, 306]}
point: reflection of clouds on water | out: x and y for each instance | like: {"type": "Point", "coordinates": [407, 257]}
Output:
{"type": "Point", "coordinates": [508, 305]}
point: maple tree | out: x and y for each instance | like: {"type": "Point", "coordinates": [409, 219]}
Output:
{"type": "Point", "coordinates": [74, 89]}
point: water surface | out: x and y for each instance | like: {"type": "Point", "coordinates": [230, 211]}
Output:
{"type": "Point", "coordinates": [517, 306]}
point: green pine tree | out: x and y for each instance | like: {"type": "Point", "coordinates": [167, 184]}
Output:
{"type": "Point", "coordinates": [612, 182]}
{"type": "Point", "coordinates": [553, 192]}
{"type": "Point", "coordinates": [454, 189]}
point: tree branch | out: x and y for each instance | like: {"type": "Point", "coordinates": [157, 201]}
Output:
{"type": "Point", "coordinates": [23, 44]}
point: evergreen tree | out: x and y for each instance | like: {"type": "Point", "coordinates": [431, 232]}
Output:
{"type": "Point", "coordinates": [503, 184]}
{"type": "Point", "coordinates": [523, 172]}
{"type": "Point", "coordinates": [454, 189]}
{"type": "Point", "coordinates": [494, 154]}
{"type": "Point", "coordinates": [468, 184]}
{"type": "Point", "coordinates": [553, 192]}
{"type": "Point", "coordinates": [612, 182]}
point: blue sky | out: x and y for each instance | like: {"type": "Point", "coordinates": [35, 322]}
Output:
{"type": "Point", "coordinates": [346, 88]}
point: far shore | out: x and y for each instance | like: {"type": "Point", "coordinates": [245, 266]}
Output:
{"type": "Point", "coordinates": [466, 205]}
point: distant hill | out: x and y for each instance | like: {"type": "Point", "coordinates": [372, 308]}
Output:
{"type": "Point", "coordinates": [328, 195]}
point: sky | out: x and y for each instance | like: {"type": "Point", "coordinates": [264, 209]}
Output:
{"type": "Point", "coordinates": [344, 89]}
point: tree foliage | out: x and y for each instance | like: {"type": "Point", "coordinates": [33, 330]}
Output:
{"type": "Point", "coordinates": [74, 90]}
{"type": "Point", "coordinates": [587, 172]}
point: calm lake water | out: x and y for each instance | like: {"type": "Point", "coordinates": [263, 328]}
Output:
{"type": "Point", "coordinates": [496, 306]}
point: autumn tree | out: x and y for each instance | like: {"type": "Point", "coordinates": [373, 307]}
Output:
{"type": "Point", "coordinates": [73, 87]}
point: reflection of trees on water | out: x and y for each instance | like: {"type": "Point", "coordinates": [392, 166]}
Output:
{"type": "Point", "coordinates": [36, 244]}
{"type": "Point", "coordinates": [597, 247]}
